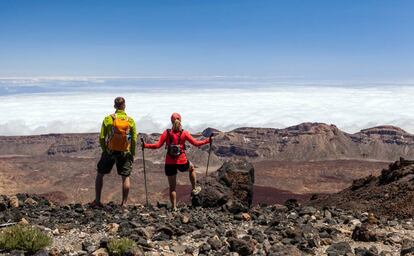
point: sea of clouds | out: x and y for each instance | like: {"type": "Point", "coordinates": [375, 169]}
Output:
{"type": "Point", "coordinates": [71, 105]}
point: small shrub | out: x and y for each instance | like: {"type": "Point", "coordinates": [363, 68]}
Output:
{"type": "Point", "coordinates": [23, 238]}
{"type": "Point", "coordinates": [118, 247]}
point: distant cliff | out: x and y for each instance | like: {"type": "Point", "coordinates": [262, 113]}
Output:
{"type": "Point", "coordinates": [303, 142]}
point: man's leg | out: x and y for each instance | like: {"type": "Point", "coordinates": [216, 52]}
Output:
{"type": "Point", "coordinates": [125, 189]}
{"type": "Point", "coordinates": [172, 181]}
{"type": "Point", "coordinates": [98, 187]}
{"type": "Point", "coordinates": [124, 168]}
{"type": "Point", "coordinates": [104, 166]}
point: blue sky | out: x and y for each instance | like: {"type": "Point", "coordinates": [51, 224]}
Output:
{"type": "Point", "coordinates": [332, 39]}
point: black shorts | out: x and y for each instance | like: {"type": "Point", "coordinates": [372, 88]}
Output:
{"type": "Point", "coordinates": [171, 169]}
{"type": "Point", "coordinates": [122, 160]}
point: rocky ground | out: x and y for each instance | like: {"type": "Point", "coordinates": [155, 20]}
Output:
{"type": "Point", "coordinates": [288, 229]}
{"type": "Point", "coordinates": [219, 222]}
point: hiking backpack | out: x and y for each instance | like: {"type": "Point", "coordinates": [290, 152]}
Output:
{"type": "Point", "coordinates": [173, 150]}
{"type": "Point", "coordinates": [119, 138]}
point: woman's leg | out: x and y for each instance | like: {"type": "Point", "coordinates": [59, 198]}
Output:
{"type": "Point", "coordinates": [192, 176]}
{"type": "Point", "coordinates": [172, 181]}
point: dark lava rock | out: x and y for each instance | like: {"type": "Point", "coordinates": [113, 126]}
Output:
{"type": "Point", "coordinates": [41, 253]}
{"type": "Point", "coordinates": [307, 210]}
{"type": "Point", "coordinates": [205, 248]}
{"type": "Point", "coordinates": [235, 206]}
{"type": "Point", "coordinates": [359, 183]}
{"type": "Point", "coordinates": [241, 246]}
{"type": "Point", "coordinates": [239, 176]}
{"type": "Point", "coordinates": [163, 233]}
{"type": "Point", "coordinates": [134, 252]}
{"type": "Point", "coordinates": [396, 171]}
{"type": "Point", "coordinates": [16, 253]}
{"type": "Point", "coordinates": [284, 250]}
{"type": "Point", "coordinates": [215, 243]}
{"type": "Point", "coordinates": [373, 251]}
{"type": "Point", "coordinates": [89, 247]}
{"type": "Point", "coordinates": [407, 247]}
{"type": "Point", "coordinates": [339, 249]}
{"type": "Point", "coordinates": [364, 234]}
{"type": "Point", "coordinates": [104, 243]}
{"type": "Point", "coordinates": [233, 187]}
{"type": "Point", "coordinates": [162, 205]}
{"type": "Point", "coordinates": [213, 194]}
{"type": "Point", "coordinates": [3, 206]}
{"type": "Point", "coordinates": [257, 235]}
{"type": "Point", "coordinates": [291, 204]}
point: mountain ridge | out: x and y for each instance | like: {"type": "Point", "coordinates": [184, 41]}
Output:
{"type": "Point", "coordinates": [302, 142]}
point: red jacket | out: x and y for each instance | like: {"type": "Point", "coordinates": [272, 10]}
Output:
{"type": "Point", "coordinates": [182, 159]}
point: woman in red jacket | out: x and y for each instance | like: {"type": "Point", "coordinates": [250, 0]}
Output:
{"type": "Point", "coordinates": [176, 159]}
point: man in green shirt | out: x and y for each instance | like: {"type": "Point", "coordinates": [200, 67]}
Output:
{"type": "Point", "coordinates": [118, 140]}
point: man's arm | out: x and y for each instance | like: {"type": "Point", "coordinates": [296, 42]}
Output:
{"type": "Point", "coordinates": [102, 136]}
{"type": "Point", "coordinates": [133, 138]}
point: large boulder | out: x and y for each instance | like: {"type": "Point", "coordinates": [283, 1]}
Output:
{"type": "Point", "coordinates": [231, 186]}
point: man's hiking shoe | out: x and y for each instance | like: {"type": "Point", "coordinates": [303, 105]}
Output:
{"type": "Point", "coordinates": [195, 191]}
{"type": "Point", "coordinates": [95, 204]}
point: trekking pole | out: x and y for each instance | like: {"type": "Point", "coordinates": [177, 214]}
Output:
{"type": "Point", "coordinates": [145, 173]}
{"type": "Point", "coordinates": [209, 153]}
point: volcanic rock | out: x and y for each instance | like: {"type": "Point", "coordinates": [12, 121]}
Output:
{"type": "Point", "coordinates": [373, 251]}
{"type": "Point", "coordinates": [232, 186]}
{"type": "Point", "coordinates": [389, 195]}
{"type": "Point", "coordinates": [284, 250]}
{"type": "Point", "coordinates": [30, 201]}
{"type": "Point", "coordinates": [364, 234]}
{"type": "Point", "coordinates": [14, 202]}
{"type": "Point", "coordinates": [241, 246]}
{"type": "Point", "coordinates": [215, 231]}
{"type": "Point", "coordinates": [215, 243]}
{"type": "Point", "coordinates": [339, 249]}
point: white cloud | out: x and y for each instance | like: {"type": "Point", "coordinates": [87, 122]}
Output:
{"type": "Point", "coordinates": [351, 109]}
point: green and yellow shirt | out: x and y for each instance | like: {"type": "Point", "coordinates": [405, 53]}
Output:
{"type": "Point", "coordinates": [107, 126]}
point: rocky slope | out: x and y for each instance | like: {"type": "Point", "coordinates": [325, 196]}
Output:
{"type": "Point", "coordinates": [263, 230]}
{"type": "Point", "coordinates": [390, 194]}
{"type": "Point", "coordinates": [220, 227]}
{"type": "Point", "coordinates": [315, 142]}
{"type": "Point", "coordinates": [303, 142]}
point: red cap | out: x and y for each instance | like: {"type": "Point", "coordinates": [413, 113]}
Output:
{"type": "Point", "coordinates": [175, 116]}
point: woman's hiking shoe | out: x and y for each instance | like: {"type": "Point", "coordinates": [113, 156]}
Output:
{"type": "Point", "coordinates": [95, 204]}
{"type": "Point", "coordinates": [175, 209]}
{"type": "Point", "coordinates": [195, 191]}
